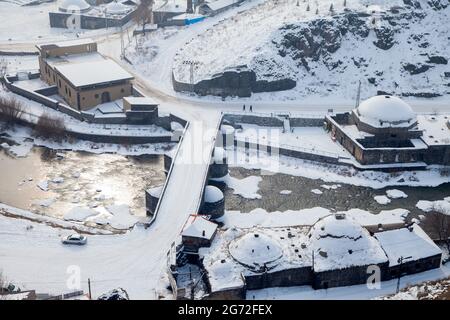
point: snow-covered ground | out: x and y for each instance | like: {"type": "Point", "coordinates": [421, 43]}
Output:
{"type": "Point", "coordinates": [255, 38]}
{"type": "Point", "coordinates": [433, 176]}
{"type": "Point", "coordinates": [26, 24]}
{"type": "Point", "coordinates": [33, 110]}
{"type": "Point", "coordinates": [307, 217]}
{"type": "Point", "coordinates": [309, 139]}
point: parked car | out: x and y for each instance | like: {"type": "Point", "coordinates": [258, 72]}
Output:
{"type": "Point", "coordinates": [75, 238]}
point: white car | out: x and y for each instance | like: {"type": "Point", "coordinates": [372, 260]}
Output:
{"type": "Point", "coordinates": [75, 238]}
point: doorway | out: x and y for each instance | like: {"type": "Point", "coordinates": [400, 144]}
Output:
{"type": "Point", "coordinates": [106, 97]}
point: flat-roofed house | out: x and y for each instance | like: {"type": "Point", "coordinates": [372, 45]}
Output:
{"type": "Point", "coordinates": [84, 78]}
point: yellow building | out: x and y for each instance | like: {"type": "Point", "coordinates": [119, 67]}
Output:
{"type": "Point", "coordinates": [83, 76]}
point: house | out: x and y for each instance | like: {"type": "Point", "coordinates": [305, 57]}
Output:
{"type": "Point", "coordinates": [198, 232]}
{"type": "Point", "coordinates": [409, 250]}
{"type": "Point", "coordinates": [83, 77]}
{"type": "Point", "coordinates": [385, 130]}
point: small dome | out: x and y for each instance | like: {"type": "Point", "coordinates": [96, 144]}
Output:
{"type": "Point", "coordinates": [385, 111]}
{"type": "Point", "coordinates": [227, 129]}
{"type": "Point", "coordinates": [256, 250]}
{"type": "Point", "coordinates": [219, 155]}
{"type": "Point", "coordinates": [156, 191]}
{"type": "Point", "coordinates": [73, 6]}
{"type": "Point", "coordinates": [117, 8]}
{"type": "Point", "coordinates": [213, 194]}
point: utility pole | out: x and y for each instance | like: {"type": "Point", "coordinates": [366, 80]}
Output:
{"type": "Point", "coordinates": [89, 287]}
{"type": "Point", "coordinates": [192, 64]}
{"type": "Point", "coordinates": [400, 261]}
{"type": "Point", "coordinates": [358, 94]}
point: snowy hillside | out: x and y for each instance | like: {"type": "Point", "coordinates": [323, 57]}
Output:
{"type": "Point", "coordinates": [395, 46]}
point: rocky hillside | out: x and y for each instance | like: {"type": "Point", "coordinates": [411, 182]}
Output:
{"type": "Point", "coordinates": [328, 47]}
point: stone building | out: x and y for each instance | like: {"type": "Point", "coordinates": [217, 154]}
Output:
{"type": "Point", "coordinates": [83, 77]}
{"type": "Point", "coordinates": [197, 232]}
{"type": "Point", "coordinates": [89, 14]}
{"type": "Point", "coordinates": [385, 130]}
{"type": "Point", "coordinates": [335, 251]}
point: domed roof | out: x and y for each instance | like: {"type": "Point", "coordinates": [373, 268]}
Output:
{"type": "Point", "coordinates": [117, 8]}
{"type": "Point", "coordinates": [227, 129]}
{"type": "Point", "coordinates": [156, 191]}
{"type": "Point", "coordinates": [73, 5]}
{"type": "Point", "coordinates": [338, 242]}
{"type": "Point", "coordinates": [213, 194]}
{"type": "Point", "coordinates": [386, 111]}
{"type": "Point", "coordinates": [219, 155]}
{"type": "Point", "coordinates": [256, 250]}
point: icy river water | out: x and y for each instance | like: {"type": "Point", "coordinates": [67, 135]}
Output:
{"type": "Point", "coordinates": [77, 179]}
{"type": "Point", "coordinates": [340, 197]}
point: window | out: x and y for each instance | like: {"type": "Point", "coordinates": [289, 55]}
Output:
{"type": "Point", "coordinates": [59, 83]}
{"type": "Point", "coordinates": [96, 96]}
{"type": "Point", "coordinates": [122, 90]}
{"type": "Point", "coordinates": [70, 93]}
{"type": "Point", "coordinates": [393, 136]}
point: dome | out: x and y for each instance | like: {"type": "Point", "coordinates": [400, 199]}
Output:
{"type": "Point", "coordinates": [227, 129]}
{"type": "Point", "coordinates": [73, 6]}
{"type": "Point", "coordinates": [156, 191]}
{"type": "Point", "coordinates": [340, 242]}
{"type": "Point", "coordinates": [219, 155]}
{"type": "Point", "coordinates": [256, 250]}
{"type": "Point", "coordinates": [213, 194]}
{"type": "Point", "coordinates": [117, 8]}
{"type": "Point", "coordinates": [386, 111]}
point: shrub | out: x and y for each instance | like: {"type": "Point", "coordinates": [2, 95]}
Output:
{"type": "Point", "coordinates": [11, 110]}
{"type": "Point", "coordinates": [50, 127]}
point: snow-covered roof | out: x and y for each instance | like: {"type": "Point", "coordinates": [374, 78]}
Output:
{"type": "Point", "coordinates": [226, 129]}
{"type": "Point", "coordinates": [339, 242]}
{"type": "Point", "coordinates": [386, 111]}
{"type": "Point", "coordinates": [213, 194]}
{"type": "Point", "coordinates": [188, 16]}
{"type": "Point", "coordinates": [67, 43]}
{"type": "Point", "coordinates": [407, 242]}
{"type": "Point", "coordinates": [219, 4]}
{"type": "Point", "coordinates": [199, 227]}
{"type": "Point", "coordinates": [219, 155]}
{"type": "Point", "coordinates": [140, 101]}
{"type": "Point", "coordinates": [73, 5]}
{"type": "Point", "coordinates": [155, 191]}
{"type": "Point", "coordinates": [256, 249]}
{"type": "Point", "coordinates": [117, 8]}
{"type": "Point", "coordinates": [436, 128]}
{"type": "Point", "coordinates": [90, 73]}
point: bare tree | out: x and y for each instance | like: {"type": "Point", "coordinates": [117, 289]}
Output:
{"type": "Point", "coordinates": [50, 127]}
{"type": "Point", "coordinates": [3, 284]}
{"type": "Point", "coordinates": [11, 110]}
{"type": "Point", "coordinates": [439, 223]}
{"type": "Point", "coordinates": [3, 68]}
{"type": "Point", "coordinates": [144, 13]}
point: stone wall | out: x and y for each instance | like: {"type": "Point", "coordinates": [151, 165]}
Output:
{"type": "Point", "coordinates": [240, 83]}
{"type": "Point", "coordinates": [347, 276]}
{"type": "Point", "coordinates": [283, 278]}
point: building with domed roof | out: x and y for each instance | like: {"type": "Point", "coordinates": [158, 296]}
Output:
{"type": "Point", "coordinates": [89, 14]}
{"type": "Point", "coordinates": [384, 130]}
